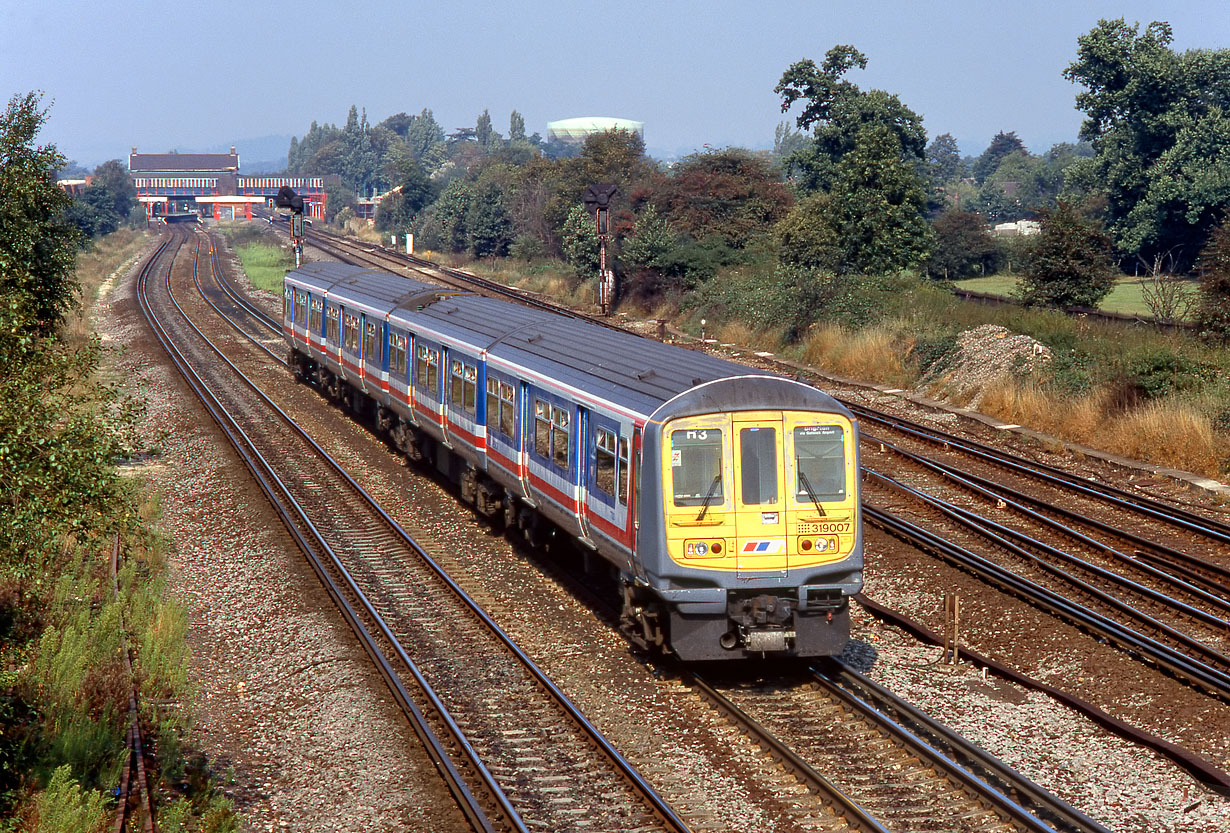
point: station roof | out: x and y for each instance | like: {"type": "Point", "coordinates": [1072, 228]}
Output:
{"type": "Point", "coordinates": [183, 163]}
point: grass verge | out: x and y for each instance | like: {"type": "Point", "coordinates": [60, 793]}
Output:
{"type": "Point", "coordinates": [265, 261]}
{"type": "Point", "coordinates": [64, 686]}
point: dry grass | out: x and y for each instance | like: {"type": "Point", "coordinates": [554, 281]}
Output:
{"type": "Point", "coordinates": [873, 354]}
{"type": "Point", "coordinates": [103, 263]}
{"type": "Point", "coordinates": [1164, 433]}
{"type": "Point", "coordinates": [1170, 435]}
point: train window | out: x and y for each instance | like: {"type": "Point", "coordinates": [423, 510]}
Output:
{"type": "Point", "coordinates": [501, 407]}
{"type": "Point", "coordinates": [397, 355]}
{"type": "Point", "coordinates": [508, 409]}
{"type": "Point", "coordinates": [542, 428]}
{"type": "Point", "coordinates": [301, 314]}
{"type": "Point", "coordinates": [819, 463]}
{"type": "Point", "coordinates": [758, 465]}
{"type": "Point", "coordinates": [463, 385]}
{"type": "Point", "coordinates": [350, 332]}
{"type": "Point", "coordinates": [369, 344]}
{"type": "Point", "coordinates": [332, 330]}
{"type": "Point", "coordinates": [287, 298]}
{"type": "Point", "coordinates": [470, 390]}
{"type": "Point", "coordinates": [493, 404]}
{"type": "Point", "coordinates": [559, 437]}
{"type": "Point", "coordinates": [604, 474]}
{"type": "Point", "coordinates": [623, 471]}
{"type": "Point", "coordinates": [696, 466]}
{"type": "Point", "coordinates": [314, 315]}
{"type": "Point", "coordinates": [427, 370]}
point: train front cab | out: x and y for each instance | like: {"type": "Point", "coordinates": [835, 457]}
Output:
{"type": "Point", "coordinates": [762, 532]}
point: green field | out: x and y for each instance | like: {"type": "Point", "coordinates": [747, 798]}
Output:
{"type": "Point", "coordinates": [1127, 297]}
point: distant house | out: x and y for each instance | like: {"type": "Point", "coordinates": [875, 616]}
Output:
{"type": "Point", "coordinates": [1021, 228]}
{"type": "Point", "coordinates": [75, 187]}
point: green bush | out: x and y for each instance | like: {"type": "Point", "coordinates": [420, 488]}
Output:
{"type": "Point", "coordinates": [65, 808]}
{"type": "Point", "coordinates": [1158, 373]}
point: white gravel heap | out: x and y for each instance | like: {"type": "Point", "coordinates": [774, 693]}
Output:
{"type": "Point", "coordinates": [986, 355]}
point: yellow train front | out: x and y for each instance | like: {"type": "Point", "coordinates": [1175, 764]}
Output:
{"type": "Point", "coordinates": [753, 545]}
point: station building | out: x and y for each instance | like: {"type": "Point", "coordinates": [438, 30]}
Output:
{"type": "Point", "coordinates": [210, 184]}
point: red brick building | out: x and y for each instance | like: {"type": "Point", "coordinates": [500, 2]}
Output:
{"type": "Point", "coordinates": [210, 184]}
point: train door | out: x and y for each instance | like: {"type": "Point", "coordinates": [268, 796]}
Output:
{"type": "Point", "coordinates": [584, 455]}
{"type": "Point", "coordinates": [760, 504]}
{"type": "Point", "coordinates": [525, 434]}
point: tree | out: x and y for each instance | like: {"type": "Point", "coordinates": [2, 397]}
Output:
{"type": "Point", "coordinates": [425, 140]}
{"type": "Point", "coordinates": [1069, 263]}
{"type": "Point", "coordinates": [651, 239]}
{"type": "Point", "coordinates": [488, 227]}
{"type": "Point", "coordinates": [416, 192]}
{"type": "Point", "coordinates": [838, 111]}
{"type": "Point", "coordinates": [1003, 145]}
{"type": "Point", "coordinates": [878, 202]}
{"type": "Point", "coordinates": [731, 193]}
{"type": "Point", "coordinates": [484, 134]}
{"type": "Point", "coordinates": [579, 240]}
{"type": "Point", "coordinates": [808, 236]}
{"type": "Point", "coordinates": [870, 222]}
{"type": "Point", "coordinates": [304, 151]}
{"type": "Point", "coordinates": [358, 160]}
{"type": "Point", "coordinates": [787, 142]}
{"type": "Point", "coordinates": [516, 128]}
{"type": "Point", "coordinates": [37, 244]}
{"type": "Point", "coordinates": [943, 160]}
{"type": "Point", "coordinates": [963, 246]}
{"type": "Point", "coordinates": [106, 203]}
{"type": "Point", "coordinates": [451, 211]}
{"type": "Point", "coordinates": [1213, 312]}
{"type": "Point", "coordinates": [1158, 123]}
{"type": "Point", "coordinates": [57, 474]}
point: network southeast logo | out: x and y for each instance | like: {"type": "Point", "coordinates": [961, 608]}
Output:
{"type": "Point", "coordinates": [770, 547]}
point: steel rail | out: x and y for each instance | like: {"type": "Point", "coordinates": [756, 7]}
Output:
{"type": "Point", "coordinates": [244, 306]}
{"type": "Point", "coordinates": [136, 747]}
{"type": "Point", "coordinates": [960, 758]}
{"type": "Point", "coordinates": [661, 808]}
{"type": "Point", "coordinates": [290, 513]}
{"type": "Point", "coordinates": [1155, 509]}
{"type": "Point", "coordinates": [1199, 768]}
{"type": "Point", "coordinates": [1015, 499]}
{"type": "Point", "coordinates": [1212, 680]}
{"type": "Point", "coordinates": [236, 295]}
{"type": "Point", "coordinates": [817, 784]}
{"type": "Point", "coordinates": [1007, 538]}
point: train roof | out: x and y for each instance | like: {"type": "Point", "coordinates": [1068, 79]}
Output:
{"type": "Point", "coordinates": [622, 368]}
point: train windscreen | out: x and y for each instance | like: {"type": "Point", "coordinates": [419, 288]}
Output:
{"type": "Point", "coordinates": [696, 466]}
{"type": "Point", "coordinates": [820, 462]}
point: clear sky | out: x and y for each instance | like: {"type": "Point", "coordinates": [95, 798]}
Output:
{"type": "Point", "coordinates": [195, 75]}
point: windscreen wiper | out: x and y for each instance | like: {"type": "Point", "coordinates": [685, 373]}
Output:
{"type": "Point", "coordinates": [811, 493]}
{"type": "Point", "coordinates": [704, 507]}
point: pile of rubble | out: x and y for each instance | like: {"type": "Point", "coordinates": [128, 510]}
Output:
{"type": "Point", "coordinates": [984, 356]}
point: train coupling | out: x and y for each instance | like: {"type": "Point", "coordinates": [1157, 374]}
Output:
{"type": "Point", "coordinates": [761, 624]}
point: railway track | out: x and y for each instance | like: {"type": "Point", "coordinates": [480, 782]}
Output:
{"type": "Point", "coordinates": [1175, 566]}
{"type": "Point", "coordinates": [522, 751]}
{"type": "Point", "coordinates": [908, 771]}
{"type": "Point", "coordinates": [954, 793]}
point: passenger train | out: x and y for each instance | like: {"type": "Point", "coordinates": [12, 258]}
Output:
{"type": "Point", "coordinates": [725, 500]}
